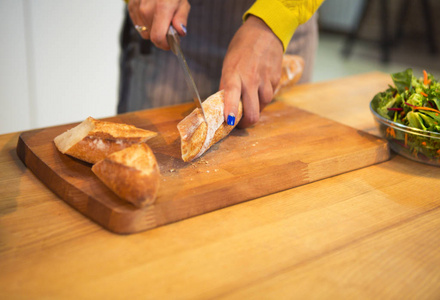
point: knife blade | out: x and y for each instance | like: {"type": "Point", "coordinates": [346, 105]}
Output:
{"type": "Point", "coordinates": [174, 42]}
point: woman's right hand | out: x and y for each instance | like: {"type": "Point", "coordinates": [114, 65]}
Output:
{"type": "Point", "coordinates": [156, 16]}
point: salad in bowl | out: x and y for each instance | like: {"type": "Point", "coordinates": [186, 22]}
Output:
{"type": "Point", "coordinates": [408, 115]}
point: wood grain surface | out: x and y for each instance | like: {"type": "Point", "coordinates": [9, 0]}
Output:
{"type": "Point", "coordinates": [287, 148]}
{"type": "Point", "coordinates": [371, 233]}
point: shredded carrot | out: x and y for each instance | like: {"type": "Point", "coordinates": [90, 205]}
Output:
{"type": "Point", "coordinates": [406, 88]}
{"type": "Point", "coordinates": [424, 94]}
{"type": "Point", "coordinates": [424, 143]}
{"type": "Point", "coordinates": [426, 81]}
{"type": "Point", "coordinates": [406, 140]}
{"type": "Point", "coordinates": [427, 108]}
{"type": "Point", "coordinates": [391, 132]}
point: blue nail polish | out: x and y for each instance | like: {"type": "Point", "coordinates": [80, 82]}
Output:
{"type": "Point", "coordinates": [183, 28]}
{"type": "Point", "coordinates": [231, 119]}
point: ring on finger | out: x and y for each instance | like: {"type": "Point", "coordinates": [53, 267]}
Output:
{"type": "Point", "coordinates": [141, 28]}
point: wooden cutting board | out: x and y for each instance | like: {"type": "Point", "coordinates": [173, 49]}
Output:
{"type": "Point", "coordinates": [287, 148]}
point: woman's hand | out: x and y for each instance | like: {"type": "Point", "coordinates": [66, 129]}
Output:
{"type": "Point", "coordinates": [251, 70]}
{"type": "Point", "coordinates": [156, 16]}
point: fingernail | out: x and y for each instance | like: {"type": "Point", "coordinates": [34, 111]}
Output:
{"type": "Point", "coordinates": [183, 28]}
{"type": "Point", "coordinates": [231, 119]}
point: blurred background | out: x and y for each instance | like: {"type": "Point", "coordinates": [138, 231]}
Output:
{"type": "Point", "coordinates": [59, 59]}
{"type": "Point", "coordinates": [358, 36]}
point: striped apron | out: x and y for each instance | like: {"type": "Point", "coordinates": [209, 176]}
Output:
{"type": "Point", "coordinates": [151, 77]}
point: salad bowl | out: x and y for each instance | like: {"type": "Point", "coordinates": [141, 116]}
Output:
{"type": "Point", "coordinates": [408, 116]}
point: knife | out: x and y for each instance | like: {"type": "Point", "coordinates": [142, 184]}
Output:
{"type": "Point", "coordinates": [174, 42]}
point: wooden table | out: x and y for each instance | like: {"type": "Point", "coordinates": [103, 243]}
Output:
{"type": "Point", "coordinates": [367, 234]}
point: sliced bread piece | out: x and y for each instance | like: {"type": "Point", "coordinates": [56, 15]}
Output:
{"type": "Point", "coordinates": [197, 136]}
{"type": "Point", "coordinates": [92, 140]}
{"type": "Point", "coordinates": [291, 72]}
{"type": "Point", "coordinates": [132, 174]}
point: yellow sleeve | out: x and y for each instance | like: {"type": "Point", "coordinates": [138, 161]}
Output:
{"type": "Point", "coordinates": [283, 16]}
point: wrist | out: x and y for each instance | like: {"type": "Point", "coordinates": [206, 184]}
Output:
{"type": "Point", "coordinates": [277, 17]}
{"type": "Point", "coordinates": [264, 33]}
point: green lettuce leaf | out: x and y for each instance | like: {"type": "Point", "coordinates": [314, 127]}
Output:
{"type": "Point", "coordinates": [403, 80]}
{"type": "Point", "coordinates": [416, 99]}
{"type": "Point", "coordinates": [437, 102]}
{"type": "Point", "coordinates": [415, 120]}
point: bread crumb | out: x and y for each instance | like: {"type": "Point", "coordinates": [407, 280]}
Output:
{"type": "Point", "coordinates": [202, 161]}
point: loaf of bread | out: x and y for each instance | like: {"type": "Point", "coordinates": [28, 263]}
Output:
{"type": "Point", "coordinates": [291, 72]}
{"type": "Point", "coordinates": [132, 174]}
{"type": "Point", "coordinates": [92, 140]}
{"type": "Point", "coordinates": [196, 135]}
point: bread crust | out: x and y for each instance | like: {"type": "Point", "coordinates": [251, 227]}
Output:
{"type": "Point", "coordinates": [93, 140]}
{"type": "Point", "coordinates": [197, 136]}
{"type": "Point", "coordinates": [291, 72]}
{"type": "Point", "coordinates": [132, 174]}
